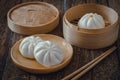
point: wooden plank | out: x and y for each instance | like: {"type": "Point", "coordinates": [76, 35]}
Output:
{"type": "Point", "coordinates": [10, 70]}
{"type": "Point", "coordinates": [5, 34]}
{"type": "Point", "coordinates": [115, 5]}
{"type": "Point", "coordinates": [100, 72]}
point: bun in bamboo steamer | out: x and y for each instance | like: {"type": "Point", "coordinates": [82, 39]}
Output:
{"type": "Point", "coordinates": [90, 38]}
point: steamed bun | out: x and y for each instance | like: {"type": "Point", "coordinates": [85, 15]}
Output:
{"type": "Point", "coordinates": [48, 53]}
{"type": "Point", "coordinates": [91, 21]}
{"type": "Point", "coordinates": [27, 46]}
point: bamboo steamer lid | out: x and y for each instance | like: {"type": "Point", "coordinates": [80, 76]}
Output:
{"type": "Point", "coordinates": [33, 18]}
{"type": "Point", "coordinates": [90, 38]}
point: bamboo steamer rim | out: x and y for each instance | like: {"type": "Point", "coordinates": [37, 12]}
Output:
{"type": "Point", "coordinates": [83, 30]}
{"type": "Point", "coordinates": [34, 2]}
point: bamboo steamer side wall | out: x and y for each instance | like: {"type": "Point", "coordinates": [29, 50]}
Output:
{"type": "Point", "coordinates": [32, 30]}
{"type": "Point", "coordinates": [90, 41]}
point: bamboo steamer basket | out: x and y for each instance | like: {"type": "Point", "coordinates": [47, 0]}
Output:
{"type": "Point", "coordinates": [33, 29]}
{"type": "Point", "coordinates": [90, 38]}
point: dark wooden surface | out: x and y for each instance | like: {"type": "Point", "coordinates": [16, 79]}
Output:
{"type": "Point", "coordinates": [108, 69]}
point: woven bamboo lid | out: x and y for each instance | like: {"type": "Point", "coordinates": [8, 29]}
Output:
{"type": "Point", "coordinates": [33, 17]}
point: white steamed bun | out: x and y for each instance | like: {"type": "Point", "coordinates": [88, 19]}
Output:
{"type": "Point", "coordinates": [27, 46]}
{"type": "Point", "coordinates": [91, 21]}
{"type": "Point", "coordinates": [48, 53]}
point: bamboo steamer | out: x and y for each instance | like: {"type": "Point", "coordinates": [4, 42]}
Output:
{"type": "Point", "coordinates": [22, 28]}
{"type": "Point", "coordinates": [90, 38]}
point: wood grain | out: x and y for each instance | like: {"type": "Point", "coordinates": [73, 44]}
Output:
{"type": "Point", "coordinates": [108, 69]}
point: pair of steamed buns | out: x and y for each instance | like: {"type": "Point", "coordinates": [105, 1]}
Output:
{"type": "Point", "coordinates": [46, 53]}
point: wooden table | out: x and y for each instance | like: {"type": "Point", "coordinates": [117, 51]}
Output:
{"type": "Point", "coordinates": [108, 69]}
